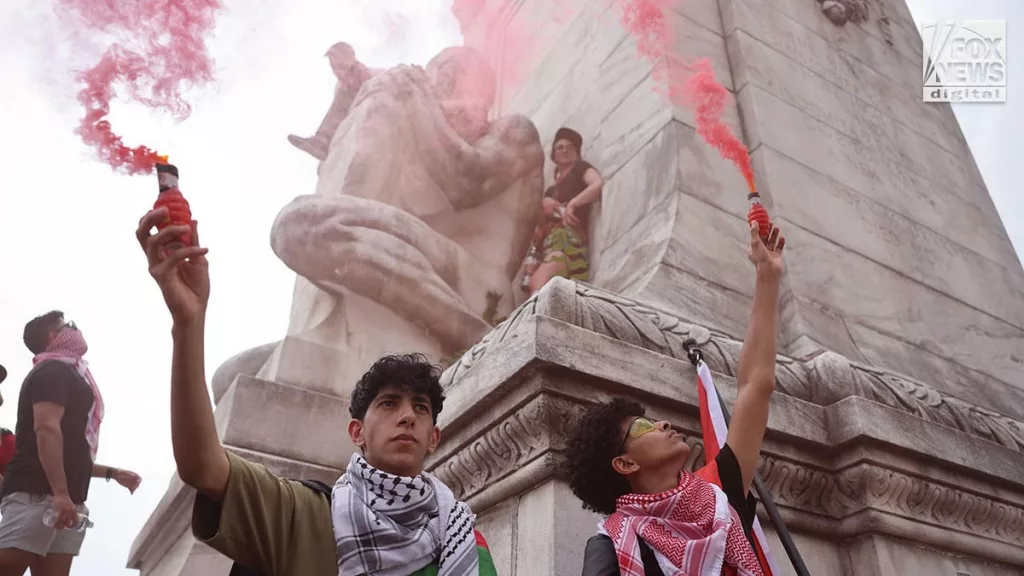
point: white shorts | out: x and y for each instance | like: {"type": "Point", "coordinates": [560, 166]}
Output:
{"type": "Point", "coordinates": [21, 526]}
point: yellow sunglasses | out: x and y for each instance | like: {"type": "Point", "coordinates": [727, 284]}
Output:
{"type": "Point", "coordinates": [637, 428]}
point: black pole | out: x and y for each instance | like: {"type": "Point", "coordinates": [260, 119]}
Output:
{"type": "Point", "coordinates": [696, 355]}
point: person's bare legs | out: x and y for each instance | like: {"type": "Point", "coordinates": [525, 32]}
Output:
{"type": "Point", "coordinates": [14, 562]}
{"type": "Point", "coordinates": [556, 264]}
{"type": "Point", "coordinates": [52, 565]}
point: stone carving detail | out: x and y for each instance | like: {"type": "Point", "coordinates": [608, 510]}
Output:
{"type": "Point", "coordinates": [835, 377]}
{"type": "Point", "coordinates": [508, 446]}
{"type": "Point", "coordinates": [808, 489]}
{"type": "Point", "coordinates": [495, 336]}
{"type": "Point", "coordinates": [823, 379]}
{"type": "Point", "coordinates": [947, 506]}
{"type": "Point", "coordinates": [839, 495]}
{"type": "Point", "coordinates": [840, 12]}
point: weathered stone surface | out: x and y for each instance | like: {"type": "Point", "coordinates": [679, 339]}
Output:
{"type": "Point", "coordinates": [248, 363]}
{"type": "Point", "coordinates": [946, 376]}
{"type": "Point", "coordinates": [788, 130]}
{"type": "Point", "coordinates": [857, 41]}
{"type": "Point", "coordinates": [893, 305]}
{"type": "Point", "coordinates": [869, 124]}
{"type": "Point", "coordinates": [260, 416]}
{"type": "Point", "coordinates": [808, 328]}
{"type": "Point", "coordinates": [628, 263]}
{"type": "Point", "coordinates": [711, 243]}
{"type": "Point", "coordinates": [820, 554]}
{"type": "Point", "coordinates": [498, 525]}
{"type": "Point", "coordinates": [881, 555]}
{"type": "Point", "coordinates": [548, 64]}
{"type": "Point", "coordinates": [803, 47]}
{"type": "Point", "coordinates": [639, 190]}
{"type": "Point", "coordinates": [821, 205]}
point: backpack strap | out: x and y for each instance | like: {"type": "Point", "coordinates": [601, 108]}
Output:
{"type": "Point", "coordinates": [319, 487]}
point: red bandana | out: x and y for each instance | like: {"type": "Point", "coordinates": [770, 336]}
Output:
{"type": "Point", "coordinates": [68, 346]}
{"type": "Point", "coordinates": [691, 527]}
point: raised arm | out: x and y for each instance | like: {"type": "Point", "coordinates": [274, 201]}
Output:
{"type": "Point", "coordinates": [183, 278]}
{"type": "Point", "coordinates": [756, 371]}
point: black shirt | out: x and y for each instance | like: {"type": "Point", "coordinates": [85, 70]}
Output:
{"type": "Point", "coordinates": [600, 559]}
{"type": "Point", "coordinates": [569, 188]}
{"type": "Point", "coordinates": [59, 383]}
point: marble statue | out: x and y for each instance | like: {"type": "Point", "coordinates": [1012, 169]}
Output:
{"type": "Point", "coordinates": [422, 214]}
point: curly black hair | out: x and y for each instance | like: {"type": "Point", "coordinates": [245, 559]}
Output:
{"type": "Point", "coordinates": [592, 445]}
{"type": "Point", "coordinates": [405, 372]}
{"type": "Point", "coordinates": [37, 331]}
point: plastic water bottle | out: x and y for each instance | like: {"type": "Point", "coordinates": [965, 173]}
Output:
{"type": "Point", "coordinates": [50, 518]}
{"type": "Point", "coordinates": [531, 260]}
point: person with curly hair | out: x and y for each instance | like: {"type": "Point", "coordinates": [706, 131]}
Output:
{"type": "Point", "coordinates": [384, 516]}
{"type": "Point", "coordinates": [662, 519]}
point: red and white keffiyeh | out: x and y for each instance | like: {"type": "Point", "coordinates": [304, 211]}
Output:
{"type": "Point", "coordinates": [692, 529]}
{"type": "Point", "coordinates": [69, 346]}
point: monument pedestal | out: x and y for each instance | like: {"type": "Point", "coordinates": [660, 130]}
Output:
{"type": "Point", "coordinates": [874, 473]}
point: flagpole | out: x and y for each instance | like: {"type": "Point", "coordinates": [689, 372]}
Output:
{"type": "Point", "coordinates": [696, 355]}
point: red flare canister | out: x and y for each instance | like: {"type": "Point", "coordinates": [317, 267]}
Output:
{"type": "Point", "coordinates": [758, 213]}
{"type": "Point", "coordinates": [170, 197]}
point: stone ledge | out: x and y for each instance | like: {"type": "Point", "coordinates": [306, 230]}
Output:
{"type": "Point", "coordinates": [261, 416]}
{"type": "Point", "coordinates": [822, 379]}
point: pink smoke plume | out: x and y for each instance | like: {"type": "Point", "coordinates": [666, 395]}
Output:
{"type": "Point", "coordinates": [396, 28]}
{"type": "Point", "coordinates": [519, 47]}
{"type": "Point", "coordinates": [167, 55]}
{"type": "Point", "coordinates": [687, 83]}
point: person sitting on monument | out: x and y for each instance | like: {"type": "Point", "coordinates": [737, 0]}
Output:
{"type": "Point", "coordinates": [663, 519]}
{"type": "Point", "coordinates": [351, 75]}
{"type": "Point", "coordinates": [386, 515]}
{"type": "Point", "coordinates": [561, 236]}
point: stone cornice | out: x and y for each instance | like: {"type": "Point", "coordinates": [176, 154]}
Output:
{"type": "Point", "coordinates": [823, 379]}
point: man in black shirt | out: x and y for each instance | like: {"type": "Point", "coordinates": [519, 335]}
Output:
{"type": "Point", "coordinates": [59, 412]}
{"type": "Point", "coordinates": [662, 519]}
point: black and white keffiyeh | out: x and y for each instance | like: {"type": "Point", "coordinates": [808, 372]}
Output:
{"type": "Point", "coordinates": [388, 525]}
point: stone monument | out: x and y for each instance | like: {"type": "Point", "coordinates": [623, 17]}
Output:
{"type": "Point", "coordinates": [896, 435]}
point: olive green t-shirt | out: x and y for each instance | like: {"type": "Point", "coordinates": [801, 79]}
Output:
{"type": "Point", "coordinates": [275, 526]}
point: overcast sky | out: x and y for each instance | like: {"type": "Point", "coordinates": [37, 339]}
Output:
{"type": "Point", "coordinates": [66, 222]}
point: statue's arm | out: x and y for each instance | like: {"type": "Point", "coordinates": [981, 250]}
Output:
{"type": "Point", "coordinates": [472, 173]}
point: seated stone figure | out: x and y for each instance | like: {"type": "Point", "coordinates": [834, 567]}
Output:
{"type": "Point", "coordinates": [422, 214]}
